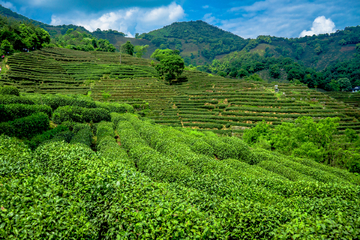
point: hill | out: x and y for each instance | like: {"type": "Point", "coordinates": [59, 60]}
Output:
{"type": "Point", "coordinates": [110, 173]}
{"type": "Point", "coordinates": [205, 102]}
{"type": "Point", "coordinates": [198, 41]}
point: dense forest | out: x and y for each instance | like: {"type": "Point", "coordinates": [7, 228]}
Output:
{"type": "Point", "coordinates": [17, 36]}
{"type": "Point", "coordinates": [76, 40]}
{"type": "Point", "coordinates": [209, 40]}
{"type": "Point", "coordinates": [339, 76]}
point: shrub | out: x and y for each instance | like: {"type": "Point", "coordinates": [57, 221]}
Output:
{"type": "Point", "coordinates": [14, 157]}
{"type": "Point", "coordinates": [9, 90]}
{"type": "Point", "coordinates": [59, 100]}
{"type": "Point", "coordinates": [104, 129]}
{"type": "Point", "coordinates": [38, 139]}
{"type": "Point", "coordinates": [12, 99]}
{"type": "Point", "coordinates": [26, 127]}
{"type": "Point", "coordinates": [116, 107]}
{"type": "Point", "coordinates": [83, 136]}
{"type": "Point", "coordinates": [14, 111]}
{"type": "Point", "coordinates": [79, 114]}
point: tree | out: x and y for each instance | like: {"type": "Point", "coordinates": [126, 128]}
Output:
{"type": "Point", "coordinates": [274, 71]}
{"type": "Point", "coordinates": [140, 50]}
{"type": "Point", "coordinates": [6, 47]}
{"type": "Point", "coordinates": [170, 67]}
{"type": "Point", "coordinates": [159, 54]}
{"type": "Point", "coordinates": [127, 48]}
{"type": "Point", "coordinates": [344, 84]}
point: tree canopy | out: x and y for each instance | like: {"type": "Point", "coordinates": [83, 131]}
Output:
{"type": "Point", "coordinates": [170, 67]}
{"type": "Point", "coordinates": [128, 48]}
{"type": "Point", "coordinates": [83, 41]}
{"type": "Point", "coordinates": [17, 36]}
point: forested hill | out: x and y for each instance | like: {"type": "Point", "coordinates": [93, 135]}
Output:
{"type": "Point", "coordinates": [318, 51]}
{"type": "Point", "coordinates": [196, 39]}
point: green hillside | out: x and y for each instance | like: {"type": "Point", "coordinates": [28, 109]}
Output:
{"type": "Point", "coordinates": [110, 173]}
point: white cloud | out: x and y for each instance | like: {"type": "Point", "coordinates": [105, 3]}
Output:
{"type": "Point", "coordinates": [275, 17]}
{"type": "Point", "coordinates": [205, 6]}
{"type": "Point", "coordinates": [8, 5]}
{"type": "Point", "coordinates": [129, 20]}
{"type": "Point", "coordinates": [209, 18]}
{"type": "Point", "coordinates": [319, 26]}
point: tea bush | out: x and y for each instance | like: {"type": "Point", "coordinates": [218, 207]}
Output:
{"type": "Point", "coordinates": [14, 111]}
{"type": "Point", "coordinates": [9, 90]}
{"type": "Point", "coordinates": [26, 127]}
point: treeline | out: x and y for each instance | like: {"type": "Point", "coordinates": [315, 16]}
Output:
{"type": "Point", "coordinates": [306, 138]}
{"type": "Point", "coordinates": [82, 41]}
{"type": "Point", "coordinates": [16, 36]}
{"type": "Point", "coordinates": [340, 76]}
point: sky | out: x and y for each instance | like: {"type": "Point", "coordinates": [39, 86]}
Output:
{"type": "Point", "coordinates": [247, 19]}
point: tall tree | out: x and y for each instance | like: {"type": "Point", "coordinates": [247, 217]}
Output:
{"type": "Point", "coordinates": [170, 67]}
{"type": "Point", "coordinates": [127, 48]}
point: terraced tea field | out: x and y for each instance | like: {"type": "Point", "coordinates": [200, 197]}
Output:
{"type": "Point", "coordinates": [225, 106]}
{"type": "Point", "coordinates": [230, 106]}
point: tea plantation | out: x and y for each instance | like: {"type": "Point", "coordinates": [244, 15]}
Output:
{"type": "Point", "coordinates": [157, 161]}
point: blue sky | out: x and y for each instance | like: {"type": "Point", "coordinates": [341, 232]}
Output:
{"type": "Point", "coordinates": [248, 19]}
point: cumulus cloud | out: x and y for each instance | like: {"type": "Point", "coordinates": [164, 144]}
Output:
{"type": "Point", "coordinates": [281, 17]}
{"type": "Point", "coordinates": [320, 25]}
{"type": "Point", "coordinates": [129, 20]}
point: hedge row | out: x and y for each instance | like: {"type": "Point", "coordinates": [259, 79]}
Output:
{"type": "Point", "coordinates": [38, 139]}
{"type": "Point", "coordinates": [9, 90]}
{"type": "Point", "coordinates": [291, 191]}
{"type": "Point", "coordinates": [83, 136]}
{"type": "Point", "coordinates": [96, 198]}
{"type": "Point", "coordinates": [108, 147]}
{"type": "Point", "coordinates": [11, 99]}
{"type": "Point", "coordinates": [11, 112]}
{"type": "Point", "coordinates": [116, 107]}
{"type": "Point", "coordinates": [80, 114]}
{"type": "Point", "coordinates": [59, 100]}
{"type": "Point", "coordinates": [26, 127]}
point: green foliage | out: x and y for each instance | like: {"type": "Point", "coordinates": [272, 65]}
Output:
{"type": "Point", "coordinates": [17, 36]}
{"type": "Point", "coordinates": [211, 41]}
{"type": "Point", "coordinates": [12, 99]}
{"type": "Point", "coordinates": [170, 67]}
{"type": "Point", "coordinates": [83, 136]}
{"type": "Point", "coordinates": [9, 90]}
{"type": "Point", "coordinates": [26, 127]}
{"type": "Point", "coordinates": [160, 54]}
{"type": "Point", "coordinates": [39, 139]}
{"type": "Point", "coordinates": [128, 48]}
{"type": "Point", "coordinates": [115, 107]}
{"type": "Point", "coordinates": [274, 71]}
{"type": "Point", "coordinates": [14, 111]}
{"type": "Point", "coordinates": [59, 100]}
{"type": "Point", "coordinates": [344, 84]}
{"type": "Point", "coordinates": [105, 95]}
{"type": "Point", "coordinates": [140, 50]}
{"type": "Point", "coordinates": [80, 114]}
{"type": "Point", "coordinates": [306, 138]}
{"type": "Point", "coordinates": [78, 40]}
